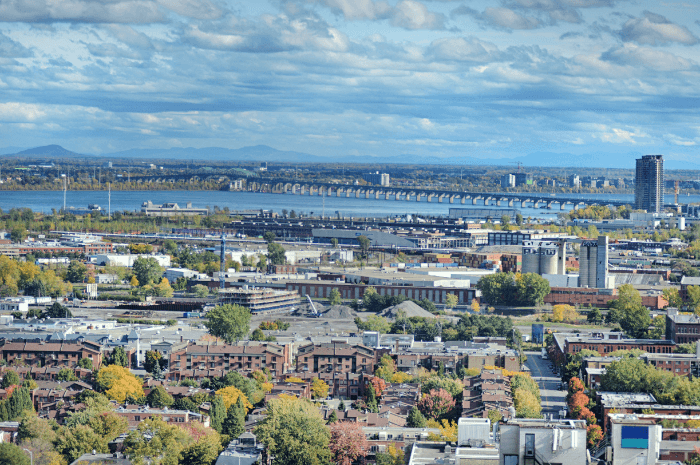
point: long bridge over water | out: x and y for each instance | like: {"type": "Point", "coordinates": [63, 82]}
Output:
{"type": "Point", "coordinates": [525, 199]}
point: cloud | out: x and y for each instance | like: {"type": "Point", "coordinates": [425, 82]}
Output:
{"type": "Point", "coordinates": [88, 11]}
{"type": "Point", "coordinates": [617, 135]}
{"type": "Point", "coordinates": [462, 49]}
{"type": "Point", "coordinates": [410, 14]}
{"type": "Point", "coordinates": [357, 9]}
{"type": "Point", "coordinates": [129, 36]}
{"type": "Point", "coordinates": [680, 141]}
{"type": "Point", "coordinates": [197, 9]}
{"type": "Point", "coordinates": [655, 29]}
{"type": "Point", "coordinates": [632, 55]}
{"type": "Point", "coordinates": [508, 19]}
{"type": "Point", "coordinates": [11, 49]}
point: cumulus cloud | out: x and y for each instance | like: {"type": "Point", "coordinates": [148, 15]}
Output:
{"type": "Point", "coordinates": [635, 56]}
{"type": "Point", "coordinates": [509, 19]}
{"type": "Point", "coordinates": [463, 49]}
{"type": "Point", "coordinates": [197, 9]}
{"type": "Point", "coordinates": [357, 9]}
{"type": "Point", "coordinates": [654, 29]}
{"type": "Point", "coordinates": [89, 11]}
{"type": "Point", "coordinates": [410, 14]}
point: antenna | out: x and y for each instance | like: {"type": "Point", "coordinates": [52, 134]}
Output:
{"type": "Point", "coordinates": [223, 261]}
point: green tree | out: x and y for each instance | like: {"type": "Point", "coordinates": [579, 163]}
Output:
{"type": "Point", "coordinates": [57, 310]}
{"type": "Point", "coordinates": [673, 297]}
{"type": "Point", "coordinates": [627, 310]}
{"type": "Point", "coordinates": [276, 254]}
{"type": "Point", "coordinates": [86, 363]}
{"type": "Point", "coordinates": [269, 237]}
{"type": "Point", "coordinates": [532, 289]}
{"type": "Point", "coordinates": [334, 242]}
{"type": "Point", "coordinates": [334, 297]}
{"type": "Point", "coordinates": [694, 298]}
{"type": "Point", "coordinates": [498, 288]}
{"type": "Point", "coordinates": [518, 219]}
{"type": "Point", "coordinates": [217, 413]}
{"type": "Point", "coordinates": [295, 433]}
{"type": "Point", "coordinates": [76, 272]}
{"type": "Point", "coordinates": [257, 335]}
{"type": "Point", "coordinates": [118, 357]}
{"type": "Point", "coordinates": [9, 379]}
{"type": "Point", "coordinates": [415, 418]}
{"type": "Point", "coordinates": [594, 316]}
{"type": "Point", "coordinates": [203, 452]}
{"type": "Point", "coordinates": [201, 291]}
{"type": "Point", "coordinates": [234, 424]}
{"type": "Point", "coordinates": [147, 270]}
{"type": "Point", "coordinates": [10, 454]}
{"type": "Point", "coordinates": [159, 398]}
{"type": "Point", "coordinates": [229, 321]}
{"type": "Point", "coordinates": [152, 360]}
{"type": "Point", "coordinates": [66, 374]}
{"type": "Point", "coordinates": [451, 301]}
{"type": "Point", "coordinates": [373, 323]}
{"type": "Point", "coordinates": [364, 244]}
{"type": "Point", "coordinates": [18, 235]}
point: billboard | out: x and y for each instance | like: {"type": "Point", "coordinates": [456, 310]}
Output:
{"type": "Point", "coordinates": [635, 437]}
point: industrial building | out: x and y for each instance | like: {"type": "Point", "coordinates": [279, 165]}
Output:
{"type": "Point", "coordinates": [649, 184]}
{"type": "Point", "coordinates": [544, 257]}
{"type": "Point", "coordinates": [593, 265]}
{"type": "Point", "coordinates": [171, 209]}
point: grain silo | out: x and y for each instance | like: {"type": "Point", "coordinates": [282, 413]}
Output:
{"type": "Point", "coordinates": [548, 252]}
{"type": "Point", "coordinates": [531, 257]}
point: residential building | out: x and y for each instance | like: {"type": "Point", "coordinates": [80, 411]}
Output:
{"type": "Point", "coordinates": [544, 441]}
{"type": "Point", "coordinates": [507, 180]}
{"type": "Point", "coordinates": [377, 178]}
{"type": "Point", "coordinates": [260, 300]}
{"type": "Point", "coordinates": [603, 343]}
{"type": "Point", "coordinates": [335, 357]}
{"type": "Point", "coordinates": [42, 353]}
{"type": "Point", "coordinates": [489, 390]}
{"type": "Point", "coordinates": [649, 184]}
{"type": "Point", "coordinates": [135, 414]}
{"type": "Point", "coordinates": [687, 281]}
{"type": "Point", "coordinates": [224, 357]}
{"type": "Point", "coordinates": [574, 181]}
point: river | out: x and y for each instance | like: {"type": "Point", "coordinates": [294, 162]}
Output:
{"type": "Point", "coordinates": [44, 201]}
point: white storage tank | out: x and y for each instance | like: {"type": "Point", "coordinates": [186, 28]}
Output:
{"type": "Point", "coordinates": [548, 258]}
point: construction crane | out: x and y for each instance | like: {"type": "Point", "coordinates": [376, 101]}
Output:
{"type": "Point", "coordinates": [675, 192]}
{"type": "Point", "coordinates": [519, 163]}
{"type": "Point", "coordinates": [314, 312]}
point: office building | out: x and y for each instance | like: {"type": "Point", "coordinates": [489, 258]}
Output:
{"type": "Point", "coordinates": [649, 184]}
{"type": "Point", "coordinates": [531, 441]}
{"type": "Point", "coordinates": [524, 179]}
{"type": "Point", "coordinates": [574, 181]}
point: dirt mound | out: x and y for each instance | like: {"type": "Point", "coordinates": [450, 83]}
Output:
{"type": "Point", "coordinates": [340, 311]}
{"type": "Point", "coordinates": [410, 308]}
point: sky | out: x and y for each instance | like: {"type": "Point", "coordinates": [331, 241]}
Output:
{"type": "Point", "coordinates": [404, 79]}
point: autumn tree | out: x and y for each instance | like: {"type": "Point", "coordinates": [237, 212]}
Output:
{"type": "Point", "coordinates": [229, 321]}
{"type": "Point", "coordinates": [118, 383]}
{"type": "Point", "coordinates": [451, 301]}
{"type": "Point", "coordinates": [475, 306]}
{"type": "Point", "coordinates": [294, 432]}
{"type": "Point", "coordinates": [319, 389]}
{"type": "Point", "coordinates": [565, 313]}
{"type": "Point", "coordinates": [348, 442]}
{"type": "Point", "coordinates": [436, 404]}
{"type": "Point", "coordinates": [230, 396]}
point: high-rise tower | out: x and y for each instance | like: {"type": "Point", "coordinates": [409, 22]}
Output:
{"type": "Point", "coordinates": [649, 184]}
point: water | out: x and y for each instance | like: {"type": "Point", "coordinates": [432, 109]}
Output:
{"type": "Point", "coordinates": [44, 201]}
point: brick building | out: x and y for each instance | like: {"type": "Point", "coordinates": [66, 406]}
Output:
{"type": "Point", "coordinates": [682, 328]}
{"type": "Point", "coordinates": [50, 354]}
{"type": "Point", "coordinates": [603, 343]}
{"type": "Point", "coordinates": [218, 356]}
{"type": "Point", "coordinates": [686, 282]}
{"type": "Point", "coordinates": [335, 357]}
{"type": "Point", "coordinates": [507, 262]}
{"type": "Point", "coordinates": [138, 413]}
{"type": "Point", "coordinates": [487, 391]}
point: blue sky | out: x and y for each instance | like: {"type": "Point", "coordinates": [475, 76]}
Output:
{"type": "Point", "coordinates": [491, 79]}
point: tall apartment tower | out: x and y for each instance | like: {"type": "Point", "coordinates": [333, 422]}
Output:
{"type": "Point", "coordinates": [593, 264]}
{"type": "Point", "coordinates": [649, 184]}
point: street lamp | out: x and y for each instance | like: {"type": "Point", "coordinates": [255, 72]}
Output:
{"type": "Point", "coordinates": [31, 456]}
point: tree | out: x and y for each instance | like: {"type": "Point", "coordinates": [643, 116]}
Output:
{"type": "Point", "coordinates": [229, 322]}
{"type": "Point", "coordinates": [334, 242]}
{"type": "Point", "coordinates": [373, 323]}
{"type": "Point", "coordinates": [386, 369]}
{"type": "Point", "coordinates": [334, 297]}
{"type": "Point", "coordinates": [152, 360]}
{"type": "Point", "coordinates": [76, 272]}
{"type": "Point", "coordinates": [118, 357]}
{"type": "Point", "coordinates": [364, 244]}
{"type": "Point", "coordinates": [348, 442]}
{"type": "Point", "coordinates": [231, 394]}
{"type": "Point", "coordinates": [565, 313]}
{"type": "Point", "coordinates": [531, 289]}
{"type": "Point", "coordinates": [159, 398]}
{"type": "Point", "coordinates": [276, 254]}
{"type": "Point", "coordinates": [156, 440]}
{"type": "Point", "coordinates": [217, 413]}
{"type": "Point", "coordinates": [526, 404]}
{"type": "Point", "coordinates": [415, 419]}
{"type": "Point", "coordinates": [118, 383]}
{"type": "Point", "coordinates": [694, 298]}
{"type": "Point", "coordinates": [498, 288]}
{"type": "Point", "coordinates": [627, 310]}
{"type": "Point", "coordinates": [475, 306]}
{"type": "Point", "coordinates": [294, 432]}
{"type": "Point", "coordinates": [10, 378]}
{"type": "Point", "coordinates": [66, 374]}
{"type": "Point", "coordinates": [673, 297]}
{"type": "Point", "coordinates": [134, 282]}
{"type": "Point", "coordinates": [319, 389]}
{"type": "Point", "coordinates": [518, 219]}
{"type": "Point", "coordinates": [10, 454]}
{"type": "Point", "coordinates": [57, 310]}
{"type": "Point", "coordinates": [164, 289]}
{"type": "Point", "coordinates": [201, 291]}
{"type": "Point", "coordinates": [202, 452]}
{"type": "Point", "coordinates": [594, 316]}
{"type": "Point", "coordinates": [234, 425]}
{"type": "Point", "coordinates": [451, 301]}
{"type": "Point", "coordinates": [147, 270]}
{"type": "Point", "coordinates": [453, 386]}
{"type": "Point", "coordinates": [436, 404]}
{"type": "Point", "coordinates": [594, 434]}
{"type": "Point", "coordinates": [394, 455]}
{"type": "Point", "coordinates": [257, 335]}
{"type": "Point", "coordinates": [269, 237]}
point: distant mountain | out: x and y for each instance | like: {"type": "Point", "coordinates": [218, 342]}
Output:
{"type": "Point", "coordinates": [49, 151]}
{"type": "Point", "coordinates": [10, 150]}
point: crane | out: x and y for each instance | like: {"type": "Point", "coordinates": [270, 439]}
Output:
{"type": "Point", "coordinates": [314, 312]}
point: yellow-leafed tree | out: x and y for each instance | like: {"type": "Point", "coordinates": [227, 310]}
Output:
{"type": "Point", "coordinates": [118, 383]}
{"type": "Point", "coordinates": [230, 396]}
{"type": "Point", "coordinates": [319, 388]}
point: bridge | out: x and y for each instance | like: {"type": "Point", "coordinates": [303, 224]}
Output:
{"type": "Point", "coordinates": [415, 194]}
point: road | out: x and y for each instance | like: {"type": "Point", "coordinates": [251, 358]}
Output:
{"type": "Point", "coordinates": [553, 400]}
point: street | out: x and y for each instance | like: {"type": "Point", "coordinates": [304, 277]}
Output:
{"type": "Point", "coordinates": [553, 399]}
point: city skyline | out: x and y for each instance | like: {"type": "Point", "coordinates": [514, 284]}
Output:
{"type": "Point", "coordinates": [424, 81]}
